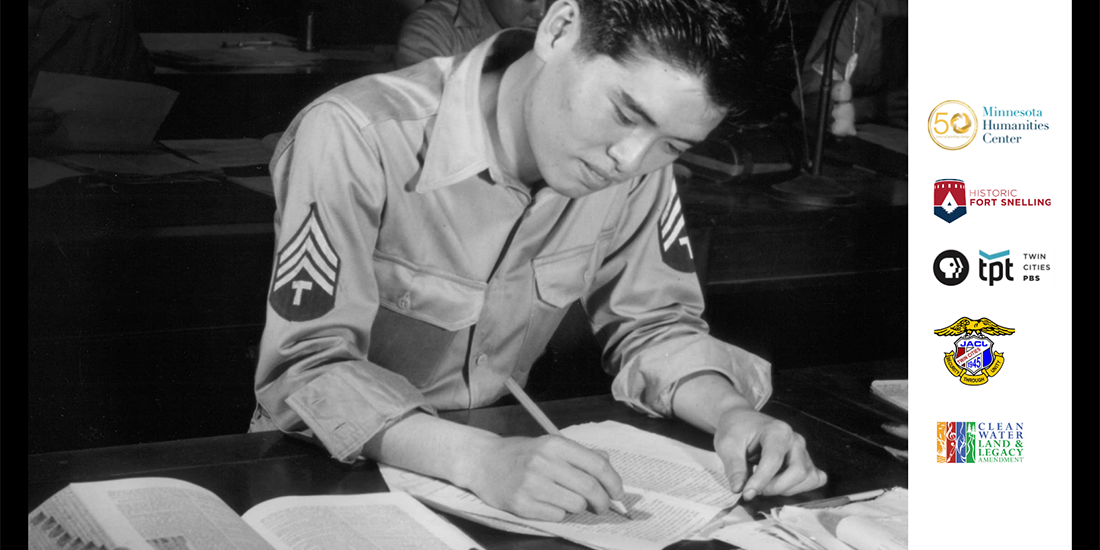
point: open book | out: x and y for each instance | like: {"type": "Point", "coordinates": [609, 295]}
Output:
{"type": "Point", "coordinates": [153, 513]}
{"type": "Point", "coordinates": [674, 491]}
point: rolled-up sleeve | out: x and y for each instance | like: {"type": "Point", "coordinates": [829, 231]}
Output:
{"type": "Point", "coordinates": [646, 306]}
{"type": "Point", "coordinates": [313, 376]}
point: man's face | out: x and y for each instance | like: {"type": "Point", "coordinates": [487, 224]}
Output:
{"type": "Point", "coordinates": [594, 122]}
{"type": "Point", "coordinates": [517, 13]}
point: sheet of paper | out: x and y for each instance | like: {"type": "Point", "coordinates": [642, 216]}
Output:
{"type": "Point", "coordinates": [874, 524]}
{"type": "Point", "coordinates": [98, 114]}
{"type": "Point", "coordinates": [866, 533]}
{"type": "Point", "coordinates": [232, 153]}
{"type": "Point", "coordinates": [674, 491]}
{"type": "Point", "coordinates": [756, 535]}
{"type": "Point", "coordinates": [893, 391]}
{"type": "Point", "coordinates": [223, 153]}
{"type": "Point", "coordinates": [393, 521]}
{"type": "Point", "coordinates": [809, 524]}
{"type": "Point", "coordinates": [656, 463]}
{"type": "Point", "coordinates": [658, 520]}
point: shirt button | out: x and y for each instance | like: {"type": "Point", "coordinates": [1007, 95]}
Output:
{"type": "Point", "coordinates": [482, 360]}
{"type": "Point", "coordinates": [404, 301]}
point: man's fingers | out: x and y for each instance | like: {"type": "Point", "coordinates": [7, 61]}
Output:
{"type": "Point", "coordinates": [773, 450]}
{"type": "Point", "coordinates": [798, 475]}
{"type": "Point", "coordinates": [561, 497]}
{"type": "Point", "coordinates": [737, 465]}
{"type": "Point", "coordinates": [582, 485]}
{"type": "Point", "coordinates": [533, 509]}
{"type": "Point", "coordinates": [595, 465]}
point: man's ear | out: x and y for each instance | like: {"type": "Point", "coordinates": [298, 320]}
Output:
{"type": "Point", "coordinates": [559, 29]}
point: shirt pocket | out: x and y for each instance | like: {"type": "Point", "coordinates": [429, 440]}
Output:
{"type": "Point", "coordinates": [421, 312]}
{"type": "Point", "coordinates": [563, 277]}
{"type": "Point", "coordinates": [433, 296]}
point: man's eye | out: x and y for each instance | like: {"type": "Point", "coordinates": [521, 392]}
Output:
{"type": "Point", "coordinates": [621, 116]}
{"type": "Point", "coordinates": [674, 149]}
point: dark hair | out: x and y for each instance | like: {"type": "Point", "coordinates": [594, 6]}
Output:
{"type": "Point", "coordinates": [738, 47]}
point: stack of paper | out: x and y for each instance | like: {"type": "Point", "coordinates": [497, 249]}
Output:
{"type": "Point", "coordinates": [879, 524]}
{"type": "Point", "coordinates": [673, 492]}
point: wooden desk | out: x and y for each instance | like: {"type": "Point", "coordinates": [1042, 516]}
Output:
{"type": "Point", "coordinates": [831, 407]}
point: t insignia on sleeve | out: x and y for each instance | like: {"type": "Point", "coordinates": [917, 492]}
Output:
{"type": "Point", "coordinates": [306, 271]}
{"type": "Point", "coordinates": [675, 246]}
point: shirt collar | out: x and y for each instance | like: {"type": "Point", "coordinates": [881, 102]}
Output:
{"type": "Point", "coordinates": [459, 146]}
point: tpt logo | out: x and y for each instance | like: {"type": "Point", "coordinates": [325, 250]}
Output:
{"type": "Point", "coordinates": [994, 267]}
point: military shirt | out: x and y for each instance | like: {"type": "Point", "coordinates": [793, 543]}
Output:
{"type": "Point", "coordinates": [412, 272]}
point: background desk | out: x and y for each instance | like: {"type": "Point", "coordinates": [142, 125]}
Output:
{"type": "Point", "coordinates": [831, 407]}
{"type": "Point", "coordinates": [238, 97]}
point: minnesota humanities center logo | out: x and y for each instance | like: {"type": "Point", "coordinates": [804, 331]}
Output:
{"type": "Point", "coordinates": [949, 199]}
{"type": "Point", "coordinates": [973, 360]}
{"type": "Point", "coordinates": [970, 442]}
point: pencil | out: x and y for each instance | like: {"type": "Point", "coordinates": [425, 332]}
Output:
{"type": "Point", "coordinates": [550, 428]}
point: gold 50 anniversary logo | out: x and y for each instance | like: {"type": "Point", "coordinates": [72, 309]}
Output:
{"type": "Point", "coordinates": [952, 124]}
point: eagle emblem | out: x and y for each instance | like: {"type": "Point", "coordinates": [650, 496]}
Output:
{"type": "Point", "coordinates": [973, 360]}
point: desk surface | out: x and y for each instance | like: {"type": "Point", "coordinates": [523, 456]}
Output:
{"type": "Point", "coordinates": [832, 407]}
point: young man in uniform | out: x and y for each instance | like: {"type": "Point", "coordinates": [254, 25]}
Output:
{"type": "Point", "coordinates": [435, 223]}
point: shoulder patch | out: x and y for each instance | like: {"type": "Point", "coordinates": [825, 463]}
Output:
{"type": "Point", "coordinates": [306, 270]}
{"type": "Point", "coordinates": [672, 234]}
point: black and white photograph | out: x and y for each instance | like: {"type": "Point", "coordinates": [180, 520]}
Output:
{"type": "Point", "coordinates": [455, 274]}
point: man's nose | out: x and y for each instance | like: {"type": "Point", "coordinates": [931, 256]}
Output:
{"type": "Point", "coordinates": [629, 152]}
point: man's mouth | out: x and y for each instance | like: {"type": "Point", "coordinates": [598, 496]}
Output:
{"type": "Point", "coordinates": [601, 177]}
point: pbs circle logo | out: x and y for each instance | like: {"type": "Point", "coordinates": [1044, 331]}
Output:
{"type": "Point", "coordinates": [952, 125]}
{"type": "Point", "coordinates": [951, 267]}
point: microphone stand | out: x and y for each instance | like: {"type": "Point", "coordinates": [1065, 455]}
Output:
{"type": "Point", "coordinates": [812, 188]}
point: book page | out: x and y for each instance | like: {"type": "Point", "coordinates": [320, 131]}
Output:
{"type": "Point", "coordinates": [382, 521]}
{"type": "Point", "coordinates": [163, 514]}
{"type": "Point", "coordinates": [657, 520]}
{"type": "Point", "coordinates": [659, 464]}
{"type": "Point", "coordinates": [62, 520]}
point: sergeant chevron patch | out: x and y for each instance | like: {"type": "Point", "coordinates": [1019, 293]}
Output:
{"type": "Point", "coordinates": [675, 247]}
{"type": "Point", "coordinates": [306, 271]}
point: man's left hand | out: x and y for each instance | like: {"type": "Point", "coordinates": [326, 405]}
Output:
{"type": "Point", "coordinates": [784, 467]}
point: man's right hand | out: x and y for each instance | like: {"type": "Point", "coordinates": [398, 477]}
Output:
{"type": "Point", "coordinates": [543, 478]}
